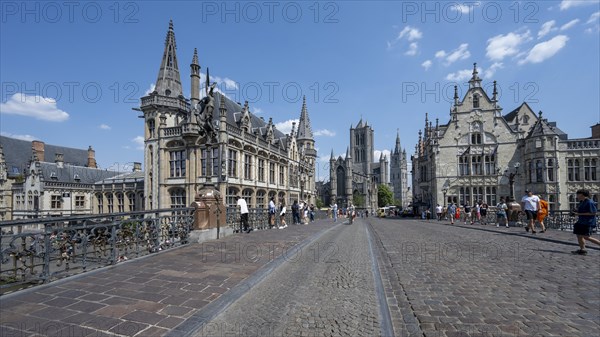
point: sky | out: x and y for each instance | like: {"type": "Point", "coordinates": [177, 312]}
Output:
{"type": "Point", "coordinates": [71, 73]}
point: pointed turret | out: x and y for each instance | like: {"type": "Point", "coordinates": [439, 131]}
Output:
{"type": "Point", "coordinates": [348, 155]}
{"type": "Point", "coordinates": [397, 149]}
{"type": "Point", "coordinates": [495, 93]}
{"type": "Point", "coordinates": [332, 156]}
{"type": "Point", "coordinates": [360, 124]}
{"type": "Point", "coordinates": [168, 82]}
{"type": "Point", "coordinates": [475, 81]}
{"type": "Point", "coordinates": [195, 78]}
{"type": "Point", "coordinates": [304, 129]}
{"type": "Point", "coordinates": [455, 95]}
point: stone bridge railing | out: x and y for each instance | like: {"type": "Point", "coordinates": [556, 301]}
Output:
{"type": "Point", "coordinates": [40, 250]}
{"type": "Point", "coordinates": [258, 218]}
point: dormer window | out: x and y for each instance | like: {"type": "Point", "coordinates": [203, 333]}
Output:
{"type": "Point", "coordinates": [53, 176]}
{"type": "Point", "coordinates": [76, 177]}
{"type": "Point", "coordinates": [525, 119]}
{"type": "Point", "coordinates": [475, 101]}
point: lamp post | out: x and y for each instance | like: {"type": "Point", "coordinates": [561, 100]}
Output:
{"type": "Point", "coordinates": [511, 178]}
{"type": "Point", "coordinates": [444, 191]}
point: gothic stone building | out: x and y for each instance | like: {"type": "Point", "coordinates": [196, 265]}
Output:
{"type": "Point", "coordinates": [481, 154]}
{"type": "Point", "coordinates": [399, 173]}
{"type": "Point", "coordinates": [357, 176]}
{"type": "Point", "coordinates": [188, 147]}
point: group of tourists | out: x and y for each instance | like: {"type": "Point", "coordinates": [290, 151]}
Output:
{"type": "Point", "coordinates": [350, 212]}
{"type": "Point", "coordinates": [469, 214]}
{"type": "Point", "coordinates": [302, 213]}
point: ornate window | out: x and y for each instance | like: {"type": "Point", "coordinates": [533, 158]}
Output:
{"type": "Point", "coordinates": [247, 195]}
{"type": "Point", "coordinates": [261, 170]}
{"type": "Point", "coordinates": [594, 169]}
{"type": "Point", "coordinates": [539, 171]}
{"type": "Point", "coordinates": [231, 197]}
{"type": "Point", "coordinates": [490, 195]}
{"type": "Point", "coordinates": [477, 194]}
{"type": "Point", "coordinates": [531, 171]}
{"type": "Point", "coordinates": [232, 167]}
{"type": "Point", "coordinates": [475, 101]}
{"type": "Point", "coordinates": [248, 166]}
{"type": "Point", "coordinates": [177, 198]}
{"type": "Point", "coordinates": [30, 200]}
{"type": "Point", "coordinates": [577, 170]}
{"type": "Point", "coordinates": [100, 200]}
{"type": "Point", "coordinates": [551, 202]}
{"type": "Point", "coordinates": [177, 163]}
{"type": "Point", "coordinates": [131, 200]}
{"type": "Point", "coordinates": [589, 169]}
{"type": "Point", "coordinates": [490, 165]}
{"type": "Point", "coordinates": [281, 175]}
{"type": "Point", "coordinates": [79, 201]}
{"type": "Point", "coordinates": [109, 202]}
{"type": "Point", "coordinates": [573, 201]}
{"type": "Point", "coordinates": [272, 173]}
{"type": "Point", "coordinates": [120, 203]}
{"type": "Point", "coordinates": [463, 166]}
{"type": "Point", "coordinates": [550, 170]}
{"type": "Point", "coordinates": [151, 128]}
{"type": "Point", "coordinates": [477, 165]}
{"type": "Point", "coordinates": [56, 201]}
{"type": "Point", "coordinates": [260, 199]}
{"type": "Point", "coordinates": [204, 162]}
{"type": "Point", "coordinates": [216, 166]}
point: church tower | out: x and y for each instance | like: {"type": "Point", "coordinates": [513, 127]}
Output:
{"type": "Point", "coordinates": [398, 171]}
{"type": "Point", "coordinates": [306, 144]}
{"type": "Point", "coordinates": [162, 108]}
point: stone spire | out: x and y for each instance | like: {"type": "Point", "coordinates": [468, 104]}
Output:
{"type": "Point", "coordinates": [332, 156]}
{"type": "Point", "coordinates": [475, 81]}
{"type": "Point", "coordinates": [348, 155]}
{"type": "Point", "coordinates": [168, 82]}
{"type": "Point", "coordinates": [195, 78]}
{"type": "Point", "coordinates": [455, 95]}
{"type": "Point", "coordinates": [304, 129]}
{"type": "Point", "coordinates": [397, 149]}
{"type": "Point", "coordinates": [495, 93]}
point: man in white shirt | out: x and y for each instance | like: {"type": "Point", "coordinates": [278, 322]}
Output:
{"type": "Point", "coordinates": [272, 211]}
{"type": "Point", "coordinates": [531, 205]}
{"type": "Point", "coordinates": [438, 212]}
{"type": "Point", "coordinates": [241, 202]}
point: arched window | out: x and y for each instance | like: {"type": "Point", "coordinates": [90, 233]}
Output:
{"type": "Point", "coordinates": [231, 196]}
{"type": "Point", "coordinates": [594, 170]}
{"type": "Point", "coordinates": [151, 128]}
{"type": "Point", "coordinates": [577, 166]}
{"type": "Point", "coordinates": [572, 201]}
{"type": "Point", "coordinates": [525, 119]}
{"type": "Point", "coordinates": [120, 203]}
{"type": "Point", "coordinates": [178, 199]}
{"type": "Point", "coordinates": [109, 203]}
{"type": "Point", "coordinates": [341, 182]}
{"type": "Point", "coordinates": [100, 202]}
{"type": "Point", "coordinates": [131, 201]}
{"type": "Point", "coordinates": [247, 195]}
{"type": "Point", "coordinates": [260, 199]}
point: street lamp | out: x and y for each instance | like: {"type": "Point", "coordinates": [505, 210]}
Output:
{"type": "Point", "coordinates": [445, 190]}
{"type": "Point", "coordinates": [511, 178]}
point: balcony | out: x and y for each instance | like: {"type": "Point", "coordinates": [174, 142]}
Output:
{"type": "Point", "coordinates": [173, 102]}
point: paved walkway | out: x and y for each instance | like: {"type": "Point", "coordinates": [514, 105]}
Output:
{"type": "Point", "coordinates": [148, 296]}
{"type": "Point", "coordinates": [479, 280]}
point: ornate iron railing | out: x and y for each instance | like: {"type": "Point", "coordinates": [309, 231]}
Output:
{"type": "Point", "coordinates": [34, 251]}
{"type": "Point", "coordinates": [561, 220]}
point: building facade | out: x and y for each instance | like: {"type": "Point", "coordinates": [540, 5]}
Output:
{"type": "Point", "coordinates": [482, 155]}
{"type": "Point", "coordinates": [355, 177]}
{"type": "Point", "coordinates": [188, 147]}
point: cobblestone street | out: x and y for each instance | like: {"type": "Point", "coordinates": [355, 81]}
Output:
{"type": "Point", "coordinates": [465, 281]}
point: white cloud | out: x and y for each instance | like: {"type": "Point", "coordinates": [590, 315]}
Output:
{"type": "Point", "coordinates": [569, 24]}
{"type": "Point", "coordinates": [325, 133]}
{"type": "Point", "coordinates": [37, 107]}
{"type": "Point", "coordinates": [501, 46]}
{"type": "Point", "coordinates": [492, 70]}
{"type": "Point", "coordinates": [566, 4]}
{"type": "Point", "coordinates": [104, 127]}
{"type": "Point", "coordinates": [464, 9]}
{"type": "Point", "coordinates": [21, 137]}
{"type": "Point", "coordinates": [413, 49]}
{"type": "Point", "coordinates": [593, 18]}
{"type": "Point", "coordinates": [547, 27]}
{"type": "Point", "coordinates": [459, 53]}
{"type": "Point", "coordinates": [377, 154]}
{"type": "Point", "coordinates": [544, 50]}
{"type": "Point", "coordinates": [426, 64]}
{"type": "Point", "coordinates": [150, 89]}
{"type": "Point", "coordinates": [286, 126]}
{"type": "Point", "coordinates": [139, 142]}
{"type": "Point", "coordinates": [256, 110]}
{"type": "Point", "coordinates": [411, 35]}
{"type": "Point", "coordinates": [460, 75]}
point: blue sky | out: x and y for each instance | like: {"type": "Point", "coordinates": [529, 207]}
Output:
{"type": "Point", "coordinates": [71, 73]}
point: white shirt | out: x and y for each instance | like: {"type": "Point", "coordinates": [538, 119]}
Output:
{"type": "Point", "coordinates": [272, 205]}
{"type": "Point", "coordinates": [283, 210]}
{"type": "Point", "coordinates": [243, 205]}
{"type": "Point", "coordinates": [531, 202]}
{"type": "Point", "coordinates": [438, 209]}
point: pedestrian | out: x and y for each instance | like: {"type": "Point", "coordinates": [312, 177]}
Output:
{"type": "Point", "coordinates": [542, 213]}
{"type": "Point", "coordinates": [305, 213]}
{"type": "Point", "coordinates": [241, 202]}
{"type": "Point", "coordinates": [586, 212]}
{"type": "Point", "coordinates": [438, 212]}
{"type": "Point", "coordinates": [531, 204]}
{"type": "Point", "coordinates": [301, 211]}
{"type": "Point", "coordinates": [477, 210]}
{"type": "Point", "coordinates": [272, 211]}
{"type": "Point", "coordinates": [311, 212]}
{"type": "Point", "coordinates": [282, 212]}
{"type": "Point", "coordinates": [452, 212]}
{"type": "Point", "coordinates": [296, 212]}
{"type": "Point", "coordinates": [501, 213]}
{"type": "Point", "coordinates": [334, 210]}
{"type": "Point", "coordinates": [467, 212]}
{"type": "Point", "coordinates": [483, 209]}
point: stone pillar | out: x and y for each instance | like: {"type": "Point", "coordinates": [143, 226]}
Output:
{"type": "Point", "coordinates": [210, 210]}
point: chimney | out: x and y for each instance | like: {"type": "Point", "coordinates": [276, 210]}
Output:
{"type": "Point", "coordinates": [137, 167]}
{"type": "Point", "coordinates": [91, 162]}
{"type": "Point", "coordinates": [59, 160]}
{"type": "Point", "coordinates": [596, 131]}
{"type": "Point", "coordinates": [38, 149]}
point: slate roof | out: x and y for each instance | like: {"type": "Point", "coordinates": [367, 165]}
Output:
{"type": "Point", "coordinates": [73, 174]}
{"type": "Point", "coordinates": [123, 177]}
{"type": "Point", "coordinates": [544, 128]}
{"type": "Point", "coordinates": [18, 153]}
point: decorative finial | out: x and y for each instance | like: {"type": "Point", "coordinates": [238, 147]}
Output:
{"type": "Point", "coordinates": [540, 114]}
{"type": "Point", "coordinates": [475, 69]}
{"type": "Point", "coordinates": [495, 93]}
{"type": "Point", "coordinates": [171, 24]}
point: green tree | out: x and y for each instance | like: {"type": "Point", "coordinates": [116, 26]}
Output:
{"type": "Point", "coordinates": [358, 200]}
{"type": "Point", "coordinates": [319, 203]}
{"type": "Point", "coordinates": [385, 196]}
